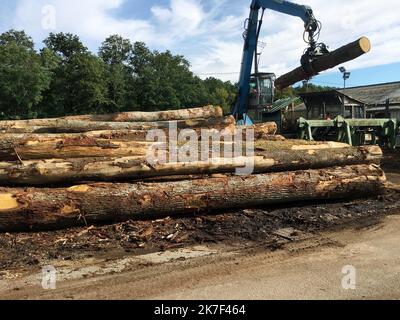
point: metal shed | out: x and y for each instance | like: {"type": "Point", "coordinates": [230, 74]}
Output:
{"type": "Point", "coordinates": [329, 104]}
{"type": "Point", "coordinates": [382, 100]}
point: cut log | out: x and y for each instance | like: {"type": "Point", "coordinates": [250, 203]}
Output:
{"type": "Point", "coordinates": [102, 144]}
{"type": "Point", "coordinates": [183, 114]}
{"type": "Point", "coordinates": [77, 148]}
{"type": "Point", "coordinates": [81, 147]}
{"type": "Point", "coordinates": [346, 53]}
{"type": "Point", "coordinates": [129, 168]}
{"type": "Point", "coordinates": [119, 135]}
{"type": "Point", "coordinates": [261, 129]}
{"type": "Point", "coordinates": [53, 208]}
{"type": "Point", "coordinates": [265, 130]}
{"type": "Point", "coordinates": [76, 126]}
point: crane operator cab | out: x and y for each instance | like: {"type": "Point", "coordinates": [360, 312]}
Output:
{"type": "Point", "coordinates": [261, 95]}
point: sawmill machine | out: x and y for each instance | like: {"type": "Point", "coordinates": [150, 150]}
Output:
{"type": "Point", "coordinates": [256, 91]}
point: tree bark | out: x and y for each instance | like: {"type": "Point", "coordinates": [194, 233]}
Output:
{"type": "Point", "coordinates": [76, 126]}
{"type": "Point", "coordinates": [7, 150]}
{"type": "Point", "coordinates": [106, 169]}
{"type": "Point", "coordinates": [86, 147]}
{"type": "Point", "coordinates": [346, 53]}
{"type": "Point", "coordinates": [171, 115]}
{"type": "Point", "coordinates": [40, 209]}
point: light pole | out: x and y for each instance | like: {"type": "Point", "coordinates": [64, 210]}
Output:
{"type": "Point", "coordinates": [346, 76]}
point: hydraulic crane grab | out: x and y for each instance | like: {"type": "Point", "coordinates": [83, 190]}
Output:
{"type": "Point", "coordinates": [262, 84]}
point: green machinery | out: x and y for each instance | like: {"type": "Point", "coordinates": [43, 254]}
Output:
{"type": "Point", "coordinates": [352, 131]}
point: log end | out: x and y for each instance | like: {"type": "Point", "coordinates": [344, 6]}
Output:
{"type": "Point", "coordinates": [365, 44]}
{"type": "Point", "coordinates": [79, 188]}
{"type": "Point", "coordinates": [373, 150]}
{"type": "Point", "coordinates": [8, 202]}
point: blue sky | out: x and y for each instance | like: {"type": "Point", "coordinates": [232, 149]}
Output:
{"type": "Point", "coordinates": [364, 76]}
{"type": "Point", "coordinates": [209, 32]}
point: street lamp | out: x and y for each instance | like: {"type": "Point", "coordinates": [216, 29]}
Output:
{"type": "Point", "coordinates": [346, 76]}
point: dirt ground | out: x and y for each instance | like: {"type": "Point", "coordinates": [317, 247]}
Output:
{"type": "Point", "coordinates": [108, 255]}
{"type": "Point", "coordinates": [307, 269]}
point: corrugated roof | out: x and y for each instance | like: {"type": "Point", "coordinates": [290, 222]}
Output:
{"type": "Point", "coordinates": [331, 93]}
{"type": "Point", "coordinates": [375, 94]}
{"type": "Point", "coordinates": [282, 103]}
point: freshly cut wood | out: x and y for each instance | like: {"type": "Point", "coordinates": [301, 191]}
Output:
{"type": "Point", "coordinates": [261, 129]}
{"type": "Point", "coordinates": [264, 130]}
{"type": "Point", "coordinates": [86, 147]}
{"type": "Point", "coordinates": [103, 143]}
{"type": "Point", "coordinates": [119, 135]}
{"type": "Point", "coordinates": [78, 148]}
{"type": "Point", "coordinates": [76, 126]}
{"type": "Point", "coordinates": [346, 53]}
{"type": "Point", "coordinates": [183, 114]}
{"type": "Point", "coordinates": [106, 169]}
{"type": "Point", "coordinates": [51, 208]}
{"type": "Point", "coordinates": [269, 137]}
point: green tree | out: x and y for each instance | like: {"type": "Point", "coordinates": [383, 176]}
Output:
{"type": "Point", "coordinates": [23, 78]}
{"type": "Point", "coordinates": [116, 50]}
{"type": "Point", "coordinates": [142, 74]}
{"type": "Point", "coordinates": [65, 78]}
{"type": "Point", "coordinates": [79, 83]}
{"type": "Point", "coordinates": [116, 53]}
{"type": "Point", "coordinates": [65, 45]}
{"type": "Point", "coordinates": [20, 38]}
{"type": "Point", "coordinates": [163, 81]}
{"type": "Point", "coordinates": [221, 93]}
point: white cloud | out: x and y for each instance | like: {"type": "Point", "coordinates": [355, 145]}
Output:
{"type": "Point", "coordinates": [90, 19]}
{"type": "Point", "coordinates": [182, 19]}
{"type": "Point", "coordinates": [209, 32]}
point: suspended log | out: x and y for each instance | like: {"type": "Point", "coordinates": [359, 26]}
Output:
{"type": "Point", "coordinates": [183, 114]}
{"type": "Point", "coordinates": [76, 126]}
{"type": "Point", "coordinates": [104, 144]}
{"type": "Point", "coordinates": [106, 169]}
{"type": "Point", "coordinates": [344, 54]}
{"type": "Point", "coordinates": [40, 209]}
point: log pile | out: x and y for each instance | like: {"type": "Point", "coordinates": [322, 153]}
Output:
{"type": "Point", "coordinates": [57, 173]}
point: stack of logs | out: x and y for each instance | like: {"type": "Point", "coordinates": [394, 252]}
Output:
{"type": "Point", "coordinates": [72, 171]}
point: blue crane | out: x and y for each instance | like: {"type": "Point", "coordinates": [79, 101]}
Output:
{"type": "Point", "coordinates": [263, 83]}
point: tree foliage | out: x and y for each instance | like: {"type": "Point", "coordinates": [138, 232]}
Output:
{"type": "Point", "coordinates": [79, 78]}
{"type": "Point", "coordinates": [116, 53]}
{"type": "Point", "coordinates": [19, 38]}
{"type": "Point", "coordinates": [23, 78]}
{"type": "Point", "coordinates": [65, 78]}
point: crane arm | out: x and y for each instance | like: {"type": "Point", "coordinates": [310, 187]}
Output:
{"type": "Point", "coordinates": [251, 39]}
{"type": "Point", "coordinates": [286, 7]}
